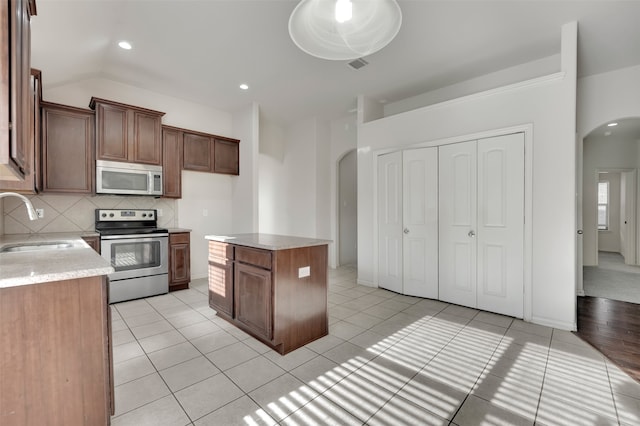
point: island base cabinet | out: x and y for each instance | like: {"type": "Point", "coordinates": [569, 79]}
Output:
{"type": "Point", "coordinates": [253, 299]}
{"type": "Point", "coordinates": [55, 360]}
{"type": "Point", "coordinates": [277, 296]}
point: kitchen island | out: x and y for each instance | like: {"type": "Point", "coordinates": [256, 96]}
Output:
{"type": "Point", "coordinates": [55, 362]}
{"type": "Point", "coordinates": [274, 287]}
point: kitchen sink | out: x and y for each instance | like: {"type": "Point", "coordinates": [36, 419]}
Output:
{"type": "Point", "coordinates": [36, 246]}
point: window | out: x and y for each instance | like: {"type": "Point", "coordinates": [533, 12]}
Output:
{"type": "Point", "coordinates": [603, 206]}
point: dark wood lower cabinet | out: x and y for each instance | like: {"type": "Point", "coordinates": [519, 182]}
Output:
{"type": "Point", "coordinates": [55, 362]}
{"type": "Point", "coordinates": [94, 242]}
{"type": "Point", "coordinates": [264, 293]}
{"type": "Point", "coordinates": [252, 299]}
{"type": "Point", "coordinates": [179, 261]}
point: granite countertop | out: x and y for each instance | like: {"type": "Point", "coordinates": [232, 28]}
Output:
{"type": "Point", "coordinates": [176, 230]}
{"type": "Point", "coordinates": [40, 266]}
{"type": "Point", "coordinates": [268, 241]}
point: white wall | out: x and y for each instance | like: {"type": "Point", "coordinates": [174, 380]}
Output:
{"type": "Point", "coordinates": [609, 240]}
{"type": "Point", "coordinates": [246, 127]}
{"type": "Point", "coordinates": [549, 105]}
{"type": "Point", "coordinates": [200, 191]}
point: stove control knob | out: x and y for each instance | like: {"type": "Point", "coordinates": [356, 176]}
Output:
{"type": "Point", "coordinates": [104, 215]}
{"type": "Point", "coordinates": [110, 214]}
{"type": "Point", "coordinates": [144, 215]}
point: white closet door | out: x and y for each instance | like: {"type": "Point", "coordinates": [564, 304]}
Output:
{"type": "Point", "coordinates": [420, 213]}
{"type": "Point", "coordinates": [390, 221]}
{"type": "Point", "coordinates": [457, 217]}
{"type": "Point", "coordinates": [500, 230]}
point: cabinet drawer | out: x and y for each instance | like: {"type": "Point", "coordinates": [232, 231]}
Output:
{"type": "Point", "coordinates": [220, 251]}
{"type": "Point", "coordinates": [260, 258]}
{"type": "Point", "coordinates": [179, 238]}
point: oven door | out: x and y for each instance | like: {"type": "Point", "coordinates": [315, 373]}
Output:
{"type": "Point", "coordinates": [134, 256]}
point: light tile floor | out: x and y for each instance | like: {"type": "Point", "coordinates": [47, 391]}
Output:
{"type": "Point", "coordinates": [388, 360]}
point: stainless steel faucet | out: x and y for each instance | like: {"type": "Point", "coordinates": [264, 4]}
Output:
{"type": "Point", "coordinates": [30, 210]}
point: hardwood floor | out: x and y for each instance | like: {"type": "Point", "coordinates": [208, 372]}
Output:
{"type": "Point", "coordinates": [612, 327]}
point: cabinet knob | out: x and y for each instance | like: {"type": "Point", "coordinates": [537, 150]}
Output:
{"type": "Point", "coordinates": [471, 234]}
{"type": "Point", "coordinates": [406, 230]}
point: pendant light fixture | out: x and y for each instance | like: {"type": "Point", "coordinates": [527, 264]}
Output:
{"type": "Point", "coordinates": [344, 29]}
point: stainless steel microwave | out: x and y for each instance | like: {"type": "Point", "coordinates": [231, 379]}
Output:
{"type": "Point", "coordinates": [113, 177]}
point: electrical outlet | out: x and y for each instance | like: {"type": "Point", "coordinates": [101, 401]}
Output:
{"type": "Point", "coordinates": [40, 213]}
{"type": "Point", "coordinates": [205, 212]}
{"type": "Point", "coordinates": [159, 212]}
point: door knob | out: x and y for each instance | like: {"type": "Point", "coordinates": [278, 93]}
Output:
{"type": "Point", "coordinates": [471, 234]}
{"type": "Point", "coordinates": [406, 230]}
{"type": "Point", "coordinates": [580, 231]}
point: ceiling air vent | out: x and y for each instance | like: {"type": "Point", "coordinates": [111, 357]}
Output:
{"type": "Point", "coordinates": [358, 63]}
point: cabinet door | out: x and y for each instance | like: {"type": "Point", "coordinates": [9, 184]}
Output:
{"type": "Point", "coordinates": [32, 182]}
{"type": "Point", "coordinates": [111, 133]}
{"type": "Point", "coordinates": [221, 286]}
{"type": "Point", "coordinates": [197, 153]}
{"type": "Point", "coordinates": [226, 157]}
{"type": "Point", "coordinates": [253, 299]}
{"type": "Point", "coordinates": [179, 261]}
{"type": "Point", "coordinates": [146, 142]}
{"type": "Point", "coordinates": [15, 162]}
{"type": "Point", "coordinates": [67, 149]}
{"type": "Point", "coordinates": [171, 163]}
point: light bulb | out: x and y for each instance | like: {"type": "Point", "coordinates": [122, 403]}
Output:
{"type": "Point", "coordinates": [344, 10]}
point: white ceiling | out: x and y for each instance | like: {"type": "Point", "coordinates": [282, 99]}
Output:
{"type": "Point", "coordinates": [202, 50]}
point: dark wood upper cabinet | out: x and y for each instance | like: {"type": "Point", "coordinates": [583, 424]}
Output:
{"type": "Point", "coordinates": [210, 153]}
{"type": "Point", "coordinates": [198, 150]}
{"type": "Point", "coordinates": [226, 157]}
{"type": "Point", "coordinates": [16, 156]}
{"type": "Point", "coordinates": [171, 162]}
{"type": "Point", "coordinates": [127, 133]}
{"type": "Point", "coordinates": [32, 181]}
{"type": "Point", "coordinates": [68, 163]}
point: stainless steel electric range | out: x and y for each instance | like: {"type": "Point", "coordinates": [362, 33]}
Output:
{"type": "Point", "coordinates": [137, 250]}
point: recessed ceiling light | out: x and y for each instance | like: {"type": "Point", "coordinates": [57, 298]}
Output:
{"type": "Point", "coordinates": [607, 133]}
{"type": "Point", "coordinates": [612, 124]}
{"type": "Point", "coordinates": [125, 45]}
{"type": "Point", "coordinates": [244, 86]}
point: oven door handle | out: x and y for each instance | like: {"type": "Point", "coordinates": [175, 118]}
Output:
{"type": "Point", "coordinates": [132, 236]}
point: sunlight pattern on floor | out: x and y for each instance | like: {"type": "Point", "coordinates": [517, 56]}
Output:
{"type": "Point", "coordinates": [389, 360]}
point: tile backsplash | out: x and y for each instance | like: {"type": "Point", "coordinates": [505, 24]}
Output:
{"type": "Point", "coordinates": [75, 213]}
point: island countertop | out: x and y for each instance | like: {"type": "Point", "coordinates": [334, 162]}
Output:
{"type": "Point", "coordinates": [40, 266]}
{"type": "Point", "coordinates": [268, 241]}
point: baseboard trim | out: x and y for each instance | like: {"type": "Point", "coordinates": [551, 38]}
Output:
{"type": "Point", "coordinates": [561, 325]}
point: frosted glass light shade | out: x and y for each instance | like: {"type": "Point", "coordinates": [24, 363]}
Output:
{"type": "Point", "coordinates": [314, 29]}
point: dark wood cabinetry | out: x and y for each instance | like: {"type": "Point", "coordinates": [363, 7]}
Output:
{"type": "Point", "coordinates": [32, 181]}
{"type": "Point", "coordinates": [68, 163]}
{"type": "Point", "coordinates": [226, 157]}
{"type": "Point", "coordinates": [56, 358]}
{"type": "Point", "coordinates": [263, 293]}
{"type": "Point", "coordinates": [252, 299]}
{"type": "Point", "coordinates": [221, 256]}
{"type": "Point", "coordinates": [127, 133]}
{"type": "Point", "coordinates": [94, 242]}
{"type": "Point", "coordinates": [15, 89]}
{"type": "Point", "coordinates": [198, 152]}
{"type": "Point", "coordinates": [171, 162]}
{"type": "Point", "coordinates": [179, 260]}
{"type": "Point", "coordinates": [210, 153]}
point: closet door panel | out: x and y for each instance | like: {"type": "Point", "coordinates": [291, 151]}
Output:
{"type": "Point", "coordinates": [501, 224]}
{"type": "Point", "coordinates": [420, 220]}
{"type": "Point", "coordinates": [457, 216]}
{"type": "Point", "coordinates": [390, 262]}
